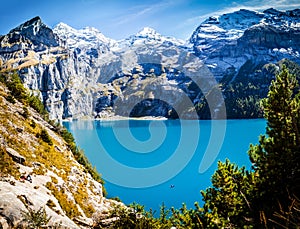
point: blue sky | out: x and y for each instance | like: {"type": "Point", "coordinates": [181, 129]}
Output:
{"type": "Point", "coordinates": [118, 19]}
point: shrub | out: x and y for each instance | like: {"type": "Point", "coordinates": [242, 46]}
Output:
{"type": "Point", "coordinates": [67, 205]}
{"type": "Point", "coordinates": [45, 137]}
{"type": "Point", "coordinates": [37, 105]}
{"type": "Point", "coordinates": [50, 204]}
{"type": "Point", "coordinates": [19, 92]}
{"type": "Point", "coordinates": [32, 124]}
{"type": "Point", "coordinates": [134, 217]}
{"type": "Point", "coordinates": [36, 219]}
{"type": "Point", "coordinates": [10, 99]}
{"type": "Point", "coordinates": [54, 180]}
{"type": "Point", "coordinates": [15, 85]}
{"type": "Point", "coordinates": [25, 113]}
{"type": "Point", "coordinates": [116, 198]}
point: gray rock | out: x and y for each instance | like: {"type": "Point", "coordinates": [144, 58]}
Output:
{"type": "Point", "coordinates": [15, 155]}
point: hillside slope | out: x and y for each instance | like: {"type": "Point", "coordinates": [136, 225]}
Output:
{"type": "Point", "coordinates": [59, 185]}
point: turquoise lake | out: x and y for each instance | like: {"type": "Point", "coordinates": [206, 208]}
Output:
{"type": "Point", "coordinates": [163, 161]}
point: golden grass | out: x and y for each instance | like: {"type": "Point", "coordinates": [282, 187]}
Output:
{"type": "Point", "coordinates": [21, 134]}
{"type": "Point", "coordinates": [81, 197]}
{"type": "Point", "coordinates": [68, 206]}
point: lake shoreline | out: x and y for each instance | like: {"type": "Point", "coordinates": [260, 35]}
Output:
{"type": "Point", "coordinates": [115, 118]}
{"type": "Point", "coordinates": [146, 118]}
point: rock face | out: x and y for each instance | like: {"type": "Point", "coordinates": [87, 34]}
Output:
{"type": "Point", "coordinates": [228, 42]}
{"type": "Point", "coordinates": [82, 73]}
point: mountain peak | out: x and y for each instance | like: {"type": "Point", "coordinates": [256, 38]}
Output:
{"type": "Point", "coordinates": [272, 11]}
{"type": "Point", "coordinates": [149, 35]}
{"type": "Point", "coordinates": [91, 29]}
{"type": "Point", "coordinates": [34, 23]}
{"type": "Point", "coordinates": [229, 26]}
{"type": "Point", "coordinates": [35, 20]}
{"type": "Point", "coordinates": [63, 26]}
{"type": "Point", "coordinates": [86, 37]}
{"type": "Point", "coordinates": [35, 31]}
{"type": "Point", "coordinates": [147, 31]}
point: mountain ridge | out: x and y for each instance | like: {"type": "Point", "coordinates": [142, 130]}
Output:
{"type": "Point", "coordinates": [82, 73]}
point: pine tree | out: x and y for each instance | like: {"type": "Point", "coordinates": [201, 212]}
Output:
{"type": "Point", "coordinates": [266, 196]}
{"type": "Point", "coordinates": [226, 203]}
{"type": "Point", "coordinates": [276, 158]}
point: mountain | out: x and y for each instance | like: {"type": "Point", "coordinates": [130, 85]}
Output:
{"type": "Point", "coordinates": [148, 36]}
{"type": "Point", "coordinates": [230, 40]}
{"type": "Point", "coordinates": [88, 36]}
{"type": "Point", "coordinates": [40, 177]}
{"type": "Point", "coordinates": [244, 50]}
{"type": "Point", "coordinates": [83, 74]}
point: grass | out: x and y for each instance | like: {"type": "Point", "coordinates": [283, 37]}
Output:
{"type": "Point", "coordinates": [81, 197]}
{"type": "Point", "coordinates": [68, 206]}
{"type": "Point", "coordinates": [7, 165]}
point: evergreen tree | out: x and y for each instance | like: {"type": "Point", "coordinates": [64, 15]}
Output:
{"type": "Point", "coordinates": [276, 158]}
{"type": "Point", "coordinates": [266, 196]}
{"type": "Point", "coordinates": [226, 203]}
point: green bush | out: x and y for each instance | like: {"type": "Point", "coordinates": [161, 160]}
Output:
{"type": "Point", "coordinates": [36, 219]}
{"type": "Point", "coordinates": [25, 113]}
{"type": "Point", "coordinates": [45, 137]}
{"type": "Point", "coordinates": [37, 104]}
{"type": "Point", "coordinates": [19, 92]}
{"type": "Point", "coordinates": [67, 136]}
{"type": "Point", "coordinates": [83, 160]}
{"type": "Point", "coordinates": [15, 85]}
{"type": "Point", "coordinates": [10, 99]}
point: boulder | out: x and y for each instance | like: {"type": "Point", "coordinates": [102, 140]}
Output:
{"type": "Point", "coordinates": [15, 155]}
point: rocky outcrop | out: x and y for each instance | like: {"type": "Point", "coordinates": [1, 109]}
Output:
{"type": "Point", "coordinates": [15, 156]}
{"type": "Point", "coordinates": [17, 196]}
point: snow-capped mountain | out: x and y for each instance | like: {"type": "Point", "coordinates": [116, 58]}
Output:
{"type": "Point", "coordinates": [149, 36]}
{"type": "Point", "coordinates": [230, 40]}
{"type": "Point", "coordinates": [216, 32]}
{"type": "Point", "coordinates": [90, 37]}
{"type": "Point", "coordinates": [87, 37]}
{"type": "Point", "coordinates": [225, 28]}
{"type": "Point", "coordinates": [82, 73]}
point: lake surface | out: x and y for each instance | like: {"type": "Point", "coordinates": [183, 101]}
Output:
{"type": "Point", "coordinates": [163, 161]}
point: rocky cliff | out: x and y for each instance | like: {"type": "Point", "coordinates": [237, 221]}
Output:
{"type": "Point", "coordinates": [227, 42]}
{"type": "Point", "coordinates": [40, 180]}
{"type": "Point", "coordinates": [82, 73]}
